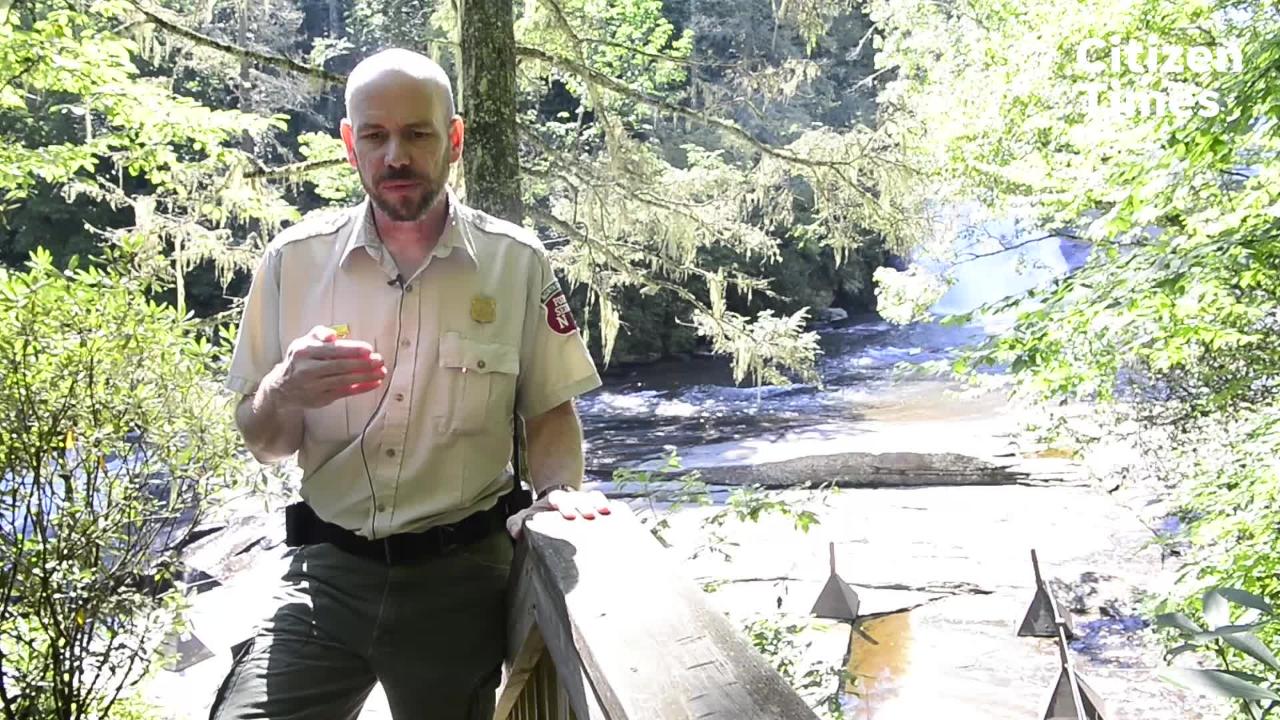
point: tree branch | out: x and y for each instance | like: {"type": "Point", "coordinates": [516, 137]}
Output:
{"type": "Point", "coordinates": [657, 56]}
{"type": "Point", "coordinates": [969, 257]}
{"type": "Point", "coordinates": [865, 37]}
{"type": "Point", "coordinates": [293, 169]}
{"type": "Point", "coordinates": [617, 86]}
{"type": "Point", "coordinates": [613, 261]}
{"type": "Point", "coordinates": [729, 326]}
{"type": "Point", "coordinates": [276, 61]}
{"type": "Point", "coordinates": [595, 180]}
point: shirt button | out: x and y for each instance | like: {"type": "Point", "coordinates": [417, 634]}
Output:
{"type": "Point", "coordinates": [480, 364]}
{"type": "Point", "coordinates": [408, 288]}
{"type": "Point", "coordinates": [391, 452]}
{"type": "Point", "coordinates": [382, 508]}
{"type": "Point", "coordinates": [399, 397]}
{"type": "Point", "coordinates": [404, 342]}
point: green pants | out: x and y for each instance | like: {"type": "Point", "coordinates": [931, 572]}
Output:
{"type": "Point", "coordinates": [432, 632]}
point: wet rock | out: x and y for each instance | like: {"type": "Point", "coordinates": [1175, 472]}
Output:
{"type": "Point", "coordinates": [831, 315]}
{"type": "Point", "coordinates": [875, 453]}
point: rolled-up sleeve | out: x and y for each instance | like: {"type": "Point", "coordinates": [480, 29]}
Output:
{"type": "Point", "coordinates": [555, 365]}
{"type": "Point", "coordinates": [258, 340]}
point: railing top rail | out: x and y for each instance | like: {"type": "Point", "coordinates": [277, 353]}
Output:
{"type": "Point", "coordinates": [631, 638]}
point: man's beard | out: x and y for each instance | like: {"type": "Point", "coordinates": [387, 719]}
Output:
{"type": "Point", "coordinates": [402, 207]}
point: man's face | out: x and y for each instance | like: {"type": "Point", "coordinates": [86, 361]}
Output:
{"type": "Point", "coordinates": [401, 140]}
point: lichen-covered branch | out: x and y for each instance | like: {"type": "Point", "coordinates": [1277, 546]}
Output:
{"type": "Point", "coordinates": [656, 103]}
{"type": "Point", "coordinates": [156, 17]}
{"type": "Point", "coordinates": [293, 171]}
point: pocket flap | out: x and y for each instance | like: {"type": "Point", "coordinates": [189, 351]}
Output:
{"type": "Point", "coordinates": [460, 352]}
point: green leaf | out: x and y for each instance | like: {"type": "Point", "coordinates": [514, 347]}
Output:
{"type": "Point", "coordinates": [1178, 621]}
{"type": "Point", "coordinates": [1221, 633]}
{"type": "Point", "coordinates": [1250, 645]}
{"type": "Point", "coordinates": [1216, 610]}
{"type": "Point", "coordinates": [1218, 683]}
{"type": "Point", "coordinates": [1247, 599]}
{"type": "Point", "coordinates": [1180, 649]}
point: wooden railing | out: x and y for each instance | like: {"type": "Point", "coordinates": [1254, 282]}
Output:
{"type": "Point", "coordinates": [601, 627]}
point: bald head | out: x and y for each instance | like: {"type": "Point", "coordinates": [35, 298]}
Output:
{"type": "Point", "coordinates": [397, 66]}
{"type": "Point", "coordinates": [401, 132]}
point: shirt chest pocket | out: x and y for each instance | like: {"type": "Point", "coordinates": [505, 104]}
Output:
{"type": "Point", "coordinates": [480, 384]}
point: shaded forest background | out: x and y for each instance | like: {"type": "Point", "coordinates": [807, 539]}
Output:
{"type": "Point", "coordinates": [751, 63]}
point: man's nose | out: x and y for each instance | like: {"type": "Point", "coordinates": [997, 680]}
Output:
{"type": "Point", "coordinates": [397, 153]}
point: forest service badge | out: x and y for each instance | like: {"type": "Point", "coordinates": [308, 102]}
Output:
{"type": "Point", "coordinates": [559, 316]}
{"type": "Point", "coordinates": [483, 309]}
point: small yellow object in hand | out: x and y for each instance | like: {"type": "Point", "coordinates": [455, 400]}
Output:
{"type": "Point", "coordinates": [341, 330]}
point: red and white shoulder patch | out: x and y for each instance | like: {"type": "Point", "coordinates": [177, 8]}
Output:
{"type": "Point", "coordinates": [559, 316]}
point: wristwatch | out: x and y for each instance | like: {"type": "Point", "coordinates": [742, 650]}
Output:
{"type": "Point", "coordinates": [563, 486]}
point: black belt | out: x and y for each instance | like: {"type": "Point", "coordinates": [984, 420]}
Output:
{"type": "Point", "coordinates": [304, 527]}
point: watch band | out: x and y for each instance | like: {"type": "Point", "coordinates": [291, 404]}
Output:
{"type": "Point", "coordinates": [562, 486]}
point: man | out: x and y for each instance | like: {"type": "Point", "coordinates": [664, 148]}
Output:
{"type": "Point", "coordinates": [388, 347]}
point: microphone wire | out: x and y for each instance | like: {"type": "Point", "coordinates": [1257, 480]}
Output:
{"type": "Point", "coordinates": [373, 509]}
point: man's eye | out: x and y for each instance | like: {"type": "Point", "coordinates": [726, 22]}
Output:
{"type": "Point", "coordinates": [372, 136]}
{"type": "Point", "coordinates": [421, 134]}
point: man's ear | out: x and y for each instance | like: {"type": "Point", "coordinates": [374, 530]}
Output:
{"type": "Point", "coordinates": [349, 140]}
{"type": "Point", "coordinates": [457, 131]}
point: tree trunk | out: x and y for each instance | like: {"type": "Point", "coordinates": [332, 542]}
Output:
{"type": "Point", "coordinates": [335, 102]}
{"type": "Point", "coordinates": [491, 154]}
{"type": "Point", "coordinates": [246, 85]}
{"type": "Point", "coordinates": [336, 29]}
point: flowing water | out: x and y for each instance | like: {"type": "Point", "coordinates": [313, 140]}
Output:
{"type": "Point", "coordinates": [684, 404]}
{"type": "Point", "coordinates": [866, 364]}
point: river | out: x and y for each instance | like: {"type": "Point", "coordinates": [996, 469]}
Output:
{"type": "Point", "coordinates": [693, 403]}
{"type": "Point", "coordinates": [866, 366]}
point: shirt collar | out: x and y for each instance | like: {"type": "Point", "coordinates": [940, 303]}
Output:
{"type": "Point", "coordinates": [457, 232]}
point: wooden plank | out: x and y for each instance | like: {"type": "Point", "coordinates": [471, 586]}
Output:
{"type": "Point", "coordinates": [519, 673]}
{"type": "Point", "coordinates": [529, 610]}
{"type": "Point", "coordinates": [650, 645]}
{"type": "Point", "coordinates": [524, 642]}
{"type": "Point", "coordinates": [557, 633]}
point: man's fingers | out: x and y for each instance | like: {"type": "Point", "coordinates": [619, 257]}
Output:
{"type": "Point", "coordinates": [323, 333]}
{"type": "Point", "coordinates": [338, 368]}
{"type": "Point", "coordinates": [566, 502]}
{"type": "Point", "coordinates": [340, 349]}
{"type": "Point", "coordinates": [569, 504]}
{"type": "Point", "coordinates": [335, 383]}
{"type": "Point", "coordinates": [360, 388]}
{"type": "Point", "coordinates": [574, 503]}
{"type": "Point", "coordinates": [599, 502]}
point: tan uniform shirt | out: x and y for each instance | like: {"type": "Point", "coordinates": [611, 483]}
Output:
{"type": "Point", "coordinates": [481, 328]}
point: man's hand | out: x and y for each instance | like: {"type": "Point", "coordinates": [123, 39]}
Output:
{"type": "Point", "coordinates": [570, 503]}
{"type": "Point", "coordinates": [318, 368]}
